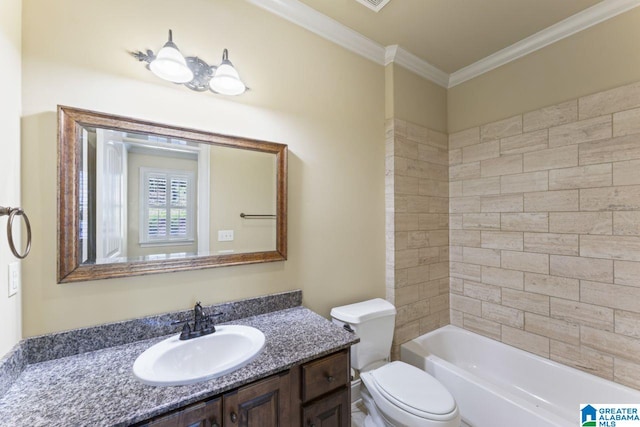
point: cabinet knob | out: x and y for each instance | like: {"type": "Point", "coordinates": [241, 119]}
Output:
{"type": "Point", "coordinates": [234, 417]}
{"type": "Point", "coordinates": [330, 378]}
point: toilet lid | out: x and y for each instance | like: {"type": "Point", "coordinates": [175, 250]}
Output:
{"type": "Point", "coordinates": [413, 389]}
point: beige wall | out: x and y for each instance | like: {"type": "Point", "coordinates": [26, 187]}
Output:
{"type": "Point", "coordinates": [599, 58]}
{"type": "Point", "coordinates": [10, 100]}
{"type": "Point", "coordinates": [327, 104]}
{"type": "Point", "coordinates": [415, 99]}
{"type": "Point", "coordinates": [545, 241]}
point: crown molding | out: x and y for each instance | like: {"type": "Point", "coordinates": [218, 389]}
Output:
{"type": "Point", "coordinates": [330, 29]}
{"type": "Point", "coordinates": [580, 21]}
{"type": "Point", "coordinates": [411, 62]}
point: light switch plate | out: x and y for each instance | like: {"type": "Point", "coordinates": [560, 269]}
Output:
{"type": "Point", "coordinates": [14, 278]}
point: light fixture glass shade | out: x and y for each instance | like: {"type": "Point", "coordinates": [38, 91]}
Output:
{"type": "Point", "coordinates": [170, 65]}
{"type": "Point", "coordinates": [226, 80]}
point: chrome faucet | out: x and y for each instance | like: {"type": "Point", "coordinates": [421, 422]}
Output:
{"type": "Point", "coordinates": [202, 324]}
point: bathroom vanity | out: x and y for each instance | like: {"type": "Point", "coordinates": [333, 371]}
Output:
{"type": "Point", "coordinates": [84, 377]}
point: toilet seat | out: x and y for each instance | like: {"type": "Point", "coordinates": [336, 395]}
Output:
{"type": "Point", "coordinates": [414, 391]}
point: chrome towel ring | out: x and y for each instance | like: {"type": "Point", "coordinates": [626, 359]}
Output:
{"type": "Point", "coordinates": [13, 212]}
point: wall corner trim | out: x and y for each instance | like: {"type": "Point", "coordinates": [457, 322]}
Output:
{"type": "Point", "coordinates": [411, 62]}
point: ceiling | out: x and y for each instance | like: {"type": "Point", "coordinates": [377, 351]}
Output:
{"type": "Point", "coordinates": [450, 34]}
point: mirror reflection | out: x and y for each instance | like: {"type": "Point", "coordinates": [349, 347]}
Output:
{"type": "Point", "coordinates": [139, 197]}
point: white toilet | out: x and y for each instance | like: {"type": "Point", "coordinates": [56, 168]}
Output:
{"type": "Point", "coordinates": [396, 394]}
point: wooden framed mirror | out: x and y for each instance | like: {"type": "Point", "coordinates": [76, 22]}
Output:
{"type": "Point", "coordinates": [137, 197]}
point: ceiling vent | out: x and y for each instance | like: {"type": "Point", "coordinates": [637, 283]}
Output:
{"type": "Point", "coordinates": [374, 5]}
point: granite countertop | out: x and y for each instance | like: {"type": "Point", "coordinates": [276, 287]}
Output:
{"type": "Point", "coordinates": [98, 388]}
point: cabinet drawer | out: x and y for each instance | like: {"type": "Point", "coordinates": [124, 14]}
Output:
{"type": "Point", "coordinates": [324, 375]}
{"type": "Point", "coordinates": [330, 411]}
{"type": "Point", "coordinates": [203, 414]}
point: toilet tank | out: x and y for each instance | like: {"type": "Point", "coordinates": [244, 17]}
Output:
{"type": "Point", "coordinates": [373, 322]}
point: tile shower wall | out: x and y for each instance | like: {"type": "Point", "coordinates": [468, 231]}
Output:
{"type": "Point", "coordinates": [417, 229]}
{"type": "Point", "coordinates": [545, 232]}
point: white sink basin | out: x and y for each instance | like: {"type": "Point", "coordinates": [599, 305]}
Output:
{"type": "Point", "coordinates": [175, 362]}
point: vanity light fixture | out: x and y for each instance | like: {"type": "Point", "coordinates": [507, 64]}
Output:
{"type": "Point", "coordinates": [169, 64]}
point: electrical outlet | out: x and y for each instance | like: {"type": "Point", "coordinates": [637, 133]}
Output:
{"type": "Point", "coordinates": [225, 235]}
{"type": "Point", "coordinates": [14, 278]}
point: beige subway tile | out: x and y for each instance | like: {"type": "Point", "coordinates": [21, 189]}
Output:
{"type": "Point", "coordinates": [583, 358]}
{"type": "Point", "coordinates": [626, 173]}
{"type": "Point", "coordinates": [407, 294]}
{"type": "Point", "coordinates": [464, 204]}
{"type": "Point", "coordinates": [626, 372]}
{"type": "Point", "coordinates": [626, 122]}
{"type": "Point", "coordinates": [465, 271]}
{"type": "Point", "coordinates": [552, 328]}
{"type": "Point", "coordinates": [581, 177]}
{"type": "Point", "coordinates": [625, 198]}
{"type": "Point", "coordinates": [428, 256]}
{"type": "Point", "coordinates": [524, 182]}
{"type": "Point", "coordinates": [433, 221]}
{"type": "Point", "coordinates": [609, 342]}
{"type": "Point", "coordinates": [427, 290]}
{"type": "Point", "coordinates": [485, 150]}
{"type": "Point", "coordinates": [550, 243]}
{"type": "Point", "coordinates": [465, 238]}
{"type": "Point", "coordinates": [627, 273]}
{"type": "Point", "coordinates": [508, 240]}
{"type": "Point", "coordinates": [625, 248]}
{"type": "Point", "coordinates": [439, 172]}
{"type": "Point", "coordinates": [412, 312]}
{"type": "Point", "coordinates": [438, 139]}
{"type": "Point", "coordinates": [581, 222]}
{"type": "Point", "coordinates": [501, 129]}
{"type": "Point", "coordinates": [507, 203]}
{"type": "Point", "coordinates": [552, 158]}
{"type": "Point", "coordinates": [430, 187]}
{"type": "Point", "coordinates": [464, 171]}
{"type": "Point", "coordinates": [482, 292]}
{"type": "Point", "coordinates": [583, 131]}
{"type": "Point", "coordinates": [464, 138]}
{"type": "Point", "coordinates": [416, 132]}
{"type": "Point", "coordinates": [526, 301]}
{"type": "Point", "coordinates": [406, 258]}
{"type": "Point", "coordinates": [481, 256]}
{"type": "Point", "coordinates": [610, 101]}
{"type": "Point", "coordinates": [400, 241]}
{"type": "Point", "coordinates": [438, 270]}
{"type": "Point", "coordinates": [436, 204]}
{"type": "Point", "coordinates": [554, 115]}
{"type": "Point", "coordinates": [439, 303]}
{"type": "Point", "coordinates": [591, 315]}
{"type": "Point", "coordinates": [481, 221]}
{"type": "Point", "coordinates": [503, 315]}
{"type": "Point", "coordinates": [561, 287]}
{"type": "Point", "coordinates": [482, 326]}
{"type": "Point", "coordinates": [455, 157]}
{"type": "Point", "coordinates": [417, 274]}
{"type": "Point", "coordinates": [429, 154]}
{"type": "Point", "coordinates": [406, 222]}
{"type": "Point", "coordinates": [581, 268]}
{"type": "Point", "coordinates": [504, 278]}
{"type": "Point", "coordinates": [418, 204]}
{"type": "Point", "coordinates": [400, 278]}
{"type": "Point", "coordinates": [455, 221]}
{"type": "Point", "coordinates": [481, 186]}
{"type": "Point", "coordinates": [456, 285]}
{"type": "Point", "coordinates": [444, 253]}
{"type": "Point", "coordinates": [465, 304]}
{"type": "Point", "coordinates": [503, 165]}
{"type": "Point", "coordinates": [609, 150]}
{"type": "Point", "coordinates": [627, 323]}
{"type": "Point", "coordinates": [457, 318]}
{"type": "Point", "coordinates": [406, 332]}
{"type": "Point", "coordinates": [406, 185]}
{"type": "Point", "coordinates": [552, 201]}
{"type": "Point", "coordinates": [414, 239]}
{"type": "Point", "coordinates": [525, 261]}
{"type": "Point", "coordinates": [438, 238]}
{"type": "Point", "coordinates": [526, 341]}
{"type": "Point", "coordinates": [527, 142]}
{"type": "Point", "coordinates": [524, 222]}
{"type": "Point", "coordinates": [612, 296]}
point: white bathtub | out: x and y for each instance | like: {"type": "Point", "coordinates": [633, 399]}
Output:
{"type": "Point", "coordinates": [496, 385]}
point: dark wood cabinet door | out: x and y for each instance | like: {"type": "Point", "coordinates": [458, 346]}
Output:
{"type": "Point", "coordinates": [261, 404]}
{"type": "Point", "coordinates": [330, 411]}
{"type": "Point", "coordinates": [203, 414]}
